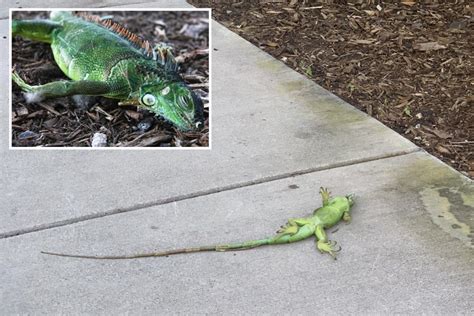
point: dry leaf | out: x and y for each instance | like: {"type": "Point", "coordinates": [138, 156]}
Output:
{"type": "Point", "coordinates": [293, 3]}
{"type": "Point", "coordinates": [271, 1]}
{"type": "Point", "coordinates": [271, 44]}
{"type": "Point", "coordinates": [442, 149]}
{"type": "Point", "coordinates": [20, 111]}
{"type": "Point", "coordinates": [150, 141]}
{"type": "Point", "coordinates": [437, 132]}
{"type": "Point", "coordinates": [134, 115]}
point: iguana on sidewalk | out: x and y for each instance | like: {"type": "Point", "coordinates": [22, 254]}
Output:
{"type": "Point", "coordinates": [333, 210]}
{"type": "Point", "coordinates": [105, 59]}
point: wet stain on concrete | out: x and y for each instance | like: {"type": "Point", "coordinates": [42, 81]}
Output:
{"type": "Point", "coordinates": [303, 91]}
{"type": "Point", "coordinates": [293, 85]}
{"type": "Point", "coordinates": [452, 210]}
{"type": "Point", "coordinates": [271, 65]}
{"type": "Point", "coordinates": [304, 135]}
{"type": "Point", "coordinates": [330, 109]}
{"type": "Point", "coordinates": [446, 195]}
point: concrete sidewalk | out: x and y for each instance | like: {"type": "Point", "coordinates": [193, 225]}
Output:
{"type": "Point", "coordinates": [276, 137]}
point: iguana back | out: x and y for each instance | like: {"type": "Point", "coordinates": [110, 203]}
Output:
{"type": "Point", "coordinates": [87, 50]}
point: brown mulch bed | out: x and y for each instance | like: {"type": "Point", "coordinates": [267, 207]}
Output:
{"type": "Point", "coordinates": [73, 121]}
{"type": "Point", "coordinates": [406, 64]}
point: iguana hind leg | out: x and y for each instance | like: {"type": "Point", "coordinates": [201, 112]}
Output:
{"type": "Point", "coordinates": [37, 30]}
{"type": "Point", "coordinates": [61, 88]}
{"type": "Point", "coordinates": [302, 232]}
{"type": "Point", "coordinates": [324, 245]}
{"type": "Point", "coordinates": [291, 227]}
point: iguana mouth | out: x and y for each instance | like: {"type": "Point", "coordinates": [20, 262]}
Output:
{"type": "Point", "coordinates": [129, 102]}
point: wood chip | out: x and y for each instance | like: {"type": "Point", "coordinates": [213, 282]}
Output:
{"type": "Point", "coordinates": [361, 41]}
{"type": "Point", "coordinates": [408, 2]}
{"type": "Point", "coordinates": [49, 108]}
{"type": "Point", "coordinates": [428, 46]}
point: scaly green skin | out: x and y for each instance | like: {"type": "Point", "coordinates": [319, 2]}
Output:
{"type": "Point", "coordinates": [333, 210]}
{"type": "Point", "coordinates": [102, 63]}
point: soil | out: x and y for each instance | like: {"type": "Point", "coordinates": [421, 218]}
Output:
{"type": "Point", "coordinates": [406, 64]}
{"type": "Point", "coordinates": [74, 121]}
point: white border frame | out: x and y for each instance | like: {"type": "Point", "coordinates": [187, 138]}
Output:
{"type": "Point", "coordinates": [10, 128]}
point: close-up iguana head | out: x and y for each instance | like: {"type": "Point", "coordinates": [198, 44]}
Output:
{"type": "Point", "coordinates": [173, 101]}
{"type": "Point", "coordinates": [102, 58]}
{"type": "Point", "coordinates": [163, 92]}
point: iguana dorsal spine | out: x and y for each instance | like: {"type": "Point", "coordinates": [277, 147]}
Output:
{"type": "Point", "coordinates": [162, 56]}
{"type": "Point", "coordinates": [121, 31]}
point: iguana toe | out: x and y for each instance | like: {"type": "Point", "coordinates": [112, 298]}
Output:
{"type": "Point", "coordinates": [324, 192]}
{"type": "Point", "coordinates": [287, 230]}
{"type": "Point", "coordinates": [328, 247]}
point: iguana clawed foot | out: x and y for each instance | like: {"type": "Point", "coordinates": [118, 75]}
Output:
{"type": "Point", "coordinates": [347, 217]}
{"type": "Point", "coordinates": [30, 93]}
{"type": "Point", "coordinates": [328, 247]}
{"type": "Point", "coordinates": [21, 83]}
{"type": "Point", "coordinates": [287, 230]}
{"type": "Point", "coordinates": [325, 195]}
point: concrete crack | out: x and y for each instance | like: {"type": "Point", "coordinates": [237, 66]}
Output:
{"type": "Point", "coordinates": [201, 193]}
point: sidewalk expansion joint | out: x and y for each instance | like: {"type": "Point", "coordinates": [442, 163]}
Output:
{"type": "Point", "coordinates": [202, 193]}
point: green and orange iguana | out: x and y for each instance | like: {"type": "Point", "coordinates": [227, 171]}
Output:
{"type": "Point", "coordinates": [333, 210]}
{"type": "Point", "coordinates": [105, 59]}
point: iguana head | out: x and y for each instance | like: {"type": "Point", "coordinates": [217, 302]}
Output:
{"type": "Point", "coordinates": [350, 198]}
{"type": "Point", "coordinates": [174, 101]}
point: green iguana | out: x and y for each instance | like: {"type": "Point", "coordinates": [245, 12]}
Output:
{"type": "Point", "coordinates": [105, 59]}
{"type": "Point", "coordinates": [333, 210]}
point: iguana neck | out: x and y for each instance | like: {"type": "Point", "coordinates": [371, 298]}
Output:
{"type": "Point", "coordinates": [131, 74]}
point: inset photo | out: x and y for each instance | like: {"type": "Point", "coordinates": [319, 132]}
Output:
{"type": "Point", "coordinates": [135, 79]}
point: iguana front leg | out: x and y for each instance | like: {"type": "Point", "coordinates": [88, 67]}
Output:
{"type": "Point", "coordinates": [325, 195]}
{"type": "Point", "coordinates": [347, 217]}
{"type": "Point", "coordinates": [324, 245]}
{"type": "Point", "coordinates": [37, 30]}
{"type": "Point", "coordinates": [61, 88]}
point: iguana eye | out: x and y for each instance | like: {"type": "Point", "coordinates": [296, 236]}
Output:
{"type": "Point", "coordinates": [165, 91]}
{"type": "Point", "coordinates": [148, 99]}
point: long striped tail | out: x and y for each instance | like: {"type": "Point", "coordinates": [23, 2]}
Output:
{"type": "Point", "coordinates": [238, 246]}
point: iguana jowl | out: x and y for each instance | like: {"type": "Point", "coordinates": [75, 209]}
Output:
{"type": "Point", "coordinates": [333, 210]}
{"type": "Point", "coordinates": [104, 59]}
